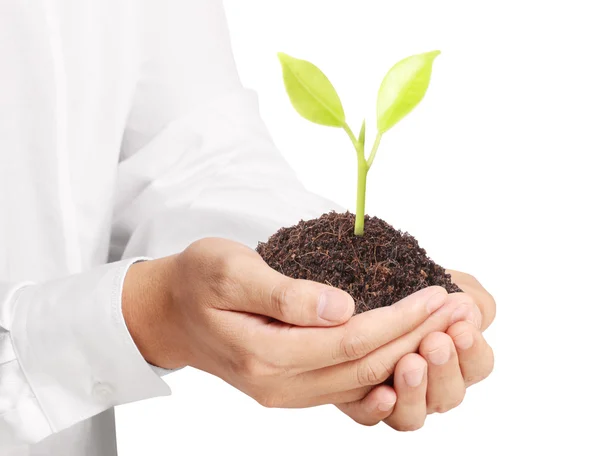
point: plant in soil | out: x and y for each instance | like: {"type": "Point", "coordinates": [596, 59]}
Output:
{"type": "Point", "coordinates": [365, 256]}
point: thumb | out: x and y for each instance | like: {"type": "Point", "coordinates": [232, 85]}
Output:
{"type": "Point", "coordinates": [306, 303]}
{"type": "Point", "coordinates": [294, 301]}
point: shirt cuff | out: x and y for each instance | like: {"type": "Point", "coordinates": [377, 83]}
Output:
{"type": "Point", "coordinates": [74, 348]}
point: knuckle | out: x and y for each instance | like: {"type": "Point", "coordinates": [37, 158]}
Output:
{"type": "Point", "coordinates": [437, 408]}
{"type": "Point", "coordinates": [219, 271]}
{"type": "Point", "coordinates": [459, 328]}
{"type": "Point", "coordinates": [373, 373]}
{"type": "Point", "coordinates": [279, 298]}
{"type": "Point", "coordinates": [432, 290]}
{"type": "Point", "coordinates": [252, 368]}
{"type": "Point", "coordinates": [222, 268]}
{"type": "Point", "coordinates": [434, 341]}
{"type": "Point", "coordinates": [256, 367]}
{"type": "Point", "coordinates": [205, 250]}
{"type": "Point", "coordinates": [354, 346]}
{"type": "Point", "coordinates": [444, 407]}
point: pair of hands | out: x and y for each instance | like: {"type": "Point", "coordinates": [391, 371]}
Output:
{"type": "Point", "coordinates": [289, 343]}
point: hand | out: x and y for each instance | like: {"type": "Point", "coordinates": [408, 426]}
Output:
{"type": "Point", "coordinates": [435, 379]}
{"type": "Point", "coordinates": [218, 307]}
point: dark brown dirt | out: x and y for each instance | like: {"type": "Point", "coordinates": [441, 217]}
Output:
{"type": "Point", "coordinates": [377, 269]}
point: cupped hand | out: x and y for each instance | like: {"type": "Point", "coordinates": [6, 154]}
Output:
{"type": "Point", "coordinates": [219, 307]}
{"type": "Point", "coordinates": [434, 378]}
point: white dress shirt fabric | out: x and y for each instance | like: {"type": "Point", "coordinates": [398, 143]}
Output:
{"type": "Point", "coordinates": [124, 134]}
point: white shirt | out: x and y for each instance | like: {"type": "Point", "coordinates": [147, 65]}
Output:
{"type": "Point", "coordinates": [124, 133]}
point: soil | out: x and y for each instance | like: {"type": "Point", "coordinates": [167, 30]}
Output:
{"type": "Point", "coordinates": [376, 269]}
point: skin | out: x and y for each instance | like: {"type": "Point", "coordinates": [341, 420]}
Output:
{"type": "Point", "coordinates": [434, 380]}
{"type": "Point", "coordinates": [220, 308]}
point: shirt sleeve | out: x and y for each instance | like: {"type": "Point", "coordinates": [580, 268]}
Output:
{"type": "Point", "coordinates": [197, 159]}
{"type": "Point", "coordinates": [66, 355]}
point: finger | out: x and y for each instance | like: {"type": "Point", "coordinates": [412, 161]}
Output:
{"type": "Point", "coordinates": [476, 366]}
{"type": "Point", "coordinates": [258, 289]}
{"type": "Point", "coordinates": [410, 383]}
{"type": "Point", "coordinates": [475, 356]}
{"type": "Point", "coordinates": [445, 385]}
{"type": "Point", "coordinates": [341, 397]}
{"type": "Point", "coordinates": [467, 309]}
{"type": "Point", "coordinates": [378, 366]}
{"type": "Point", "coordinates": [314, 348]}
{"type": "Point", "coordinates": [485, 301]}
{"type": "Point", "coordinates": [373, 408]}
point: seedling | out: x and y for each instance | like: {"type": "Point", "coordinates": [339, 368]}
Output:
{"type": "Point", "coordinates": [315, 99]}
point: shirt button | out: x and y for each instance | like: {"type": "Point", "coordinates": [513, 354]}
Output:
{"type": "Point", "coordinates": [102, 390]}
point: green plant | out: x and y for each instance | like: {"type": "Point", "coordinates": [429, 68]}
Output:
{"type": "Point", "coordinates": [315, 99]}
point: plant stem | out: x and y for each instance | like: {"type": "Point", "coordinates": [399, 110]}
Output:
{"type": "Point", "coordinates": [361, 186]}
{"type": "Point", "coordinates": [361, 190]}
{"type": "Point", "coordinates": [374, 150]}
{"type": "Point", "coordinates": [355, 142]}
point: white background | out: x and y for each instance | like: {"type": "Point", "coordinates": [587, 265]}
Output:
{"type": "Point", "coordinates": [496, 173]}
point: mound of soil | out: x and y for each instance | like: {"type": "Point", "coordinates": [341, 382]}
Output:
{"type": "Point", "coordinates": [377, 269]}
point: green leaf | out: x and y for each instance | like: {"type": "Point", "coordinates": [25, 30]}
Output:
{"type": "Point", "coordinates": [403, 88]}
{"type": "Point", "coordinates": [361, 136]}
{"type": "Point", "coordinates": [311, 93]}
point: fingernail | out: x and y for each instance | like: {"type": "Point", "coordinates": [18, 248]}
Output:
{"type": "Point", "coordinates": [464, 341]}
{"type": "Point", "coordinates": [386, 406]}
{"type": "Point", "coordinates": [460, 314]}
{"type": "Point", "coordinates": [439, 356]}
{"type": "Point", "coordinates": [435, 302]}
{"type": "Point", "coordinates": [414, 378]}
{"type": "Point", "coordinates": [333, 305]}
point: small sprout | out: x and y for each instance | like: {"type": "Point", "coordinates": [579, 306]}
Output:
{"type": "Point", "coordinates": [314, 98]}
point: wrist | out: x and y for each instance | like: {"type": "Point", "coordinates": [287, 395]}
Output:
{"type": "Point", "coordinates": [151, 314]}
